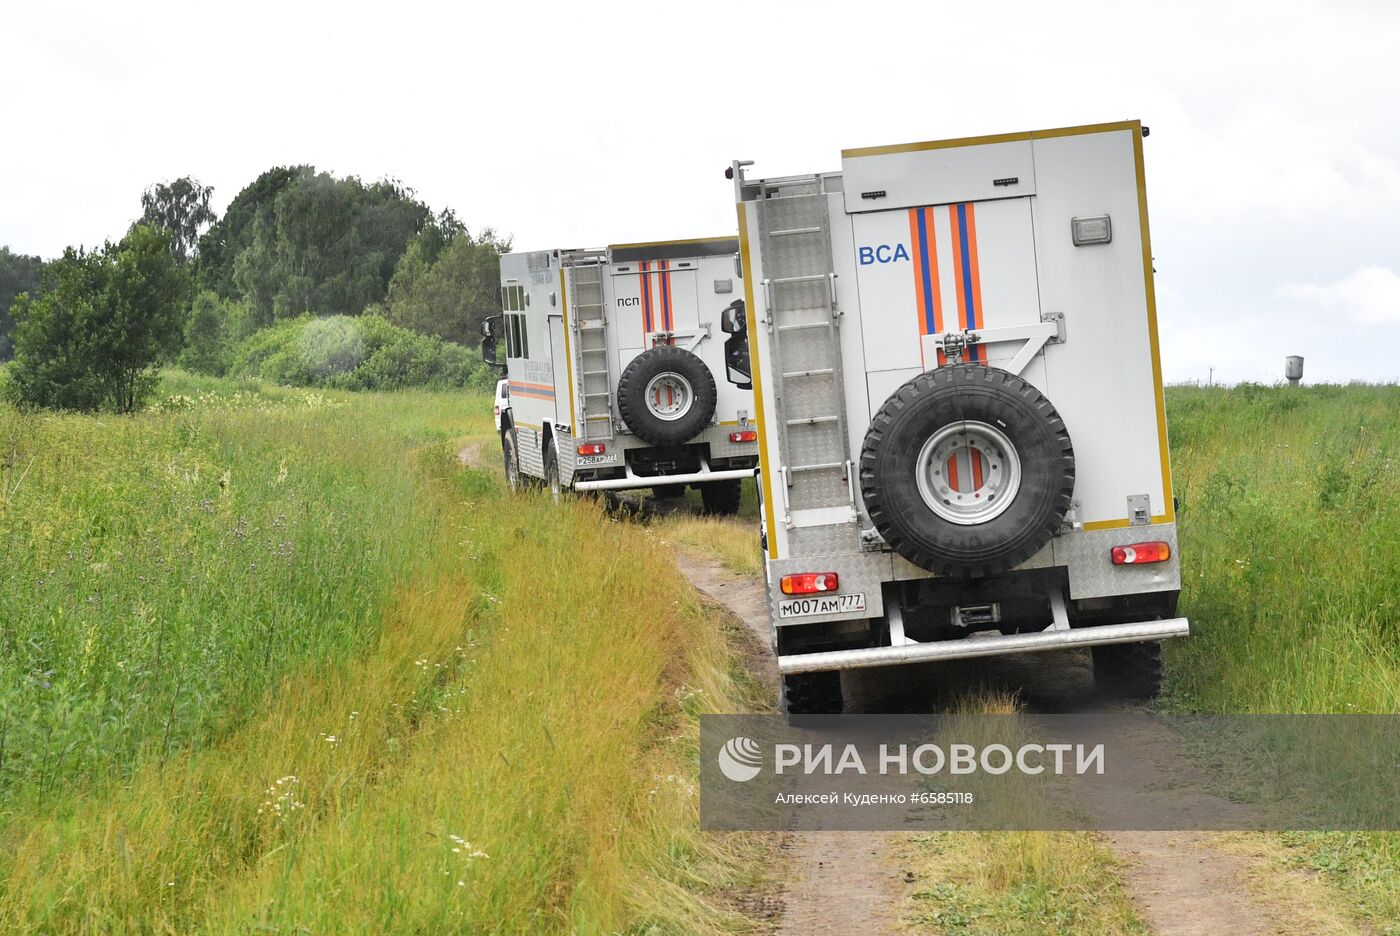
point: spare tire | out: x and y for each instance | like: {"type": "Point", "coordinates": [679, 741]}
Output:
{"type": "Point", "coordinates": [667, 395]}
{"type": "Point", "coordinates": [967, 470]}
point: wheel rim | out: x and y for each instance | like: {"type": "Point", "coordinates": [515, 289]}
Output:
{"type": "Point", "coordinates": [968, 472]}
{"type": "Point", "coordinates": [669, 396]}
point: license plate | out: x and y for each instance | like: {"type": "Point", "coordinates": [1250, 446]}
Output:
{"type": "Point", "coordinates": [594, 459]}
{"type": "Point", "coordinates": [821, 604]}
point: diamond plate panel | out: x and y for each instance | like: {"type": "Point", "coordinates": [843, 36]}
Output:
{"type": "Point", "coordinates": [531, 457]}
{"type": "Point", "coordinates": [837, 539]}
{"type": "Point", "coordinates": [860, 573]}
{"type": "Point", "coordinates": [1092, 573]}
{"type": "Point", "coordinates": [721, 447]}
{"type": "Point", "coordinates": [567, 448]}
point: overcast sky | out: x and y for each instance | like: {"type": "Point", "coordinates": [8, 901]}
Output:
{"type": "Point", "coordinates": [1273, 166]}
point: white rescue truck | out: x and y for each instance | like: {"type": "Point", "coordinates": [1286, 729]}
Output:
{"type": "Point", "coordinates": [959, 394]}
{"type": "Point", "coordinates": [620, 373]}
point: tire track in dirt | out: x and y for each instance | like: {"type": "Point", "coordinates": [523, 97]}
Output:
{"type": "Point", "coordinates": [839, 882]}
{"type": "Point", "coordinates": [1182, 883]}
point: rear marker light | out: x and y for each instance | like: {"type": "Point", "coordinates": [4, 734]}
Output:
{"type": "Point", "coordinates": [808, 583]}
{"type": "Point", "coordinates": [1141, 553]}
{"type": "Point", "coordinates": [592, 448]}
{"type": "Point", "coordinates": [747, 435]}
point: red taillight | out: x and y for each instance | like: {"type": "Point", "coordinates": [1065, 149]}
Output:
{"type": "Point", "coordinates": [807, 583]}
{"type": "Point", "coordinates": [744, 435]}
{"type": "Point", "coordinates": [1141, 553]}
{"type": "Point", "coordinates": [592, 448]}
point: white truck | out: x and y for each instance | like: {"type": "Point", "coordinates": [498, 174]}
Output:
{"type": "Point", "coordinates": [963, 440]}
{"type": "Point", "coordinates": [620, 373]}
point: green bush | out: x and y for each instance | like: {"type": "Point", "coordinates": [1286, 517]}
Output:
{"type": "Point", "coordinates": [103, 322]}
{"type": "Point", "coordinates": [215, 325]}
{"type": "Point", "coordinates": [357, 353]}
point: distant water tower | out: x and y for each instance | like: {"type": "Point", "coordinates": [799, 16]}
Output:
{"type": "Point", "coordinates": [1293, 369]}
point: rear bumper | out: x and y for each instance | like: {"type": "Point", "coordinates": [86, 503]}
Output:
{"type": "Point", "coordinates": [632, 480]}
{"type": "Point", "coordinates": [976, 646]}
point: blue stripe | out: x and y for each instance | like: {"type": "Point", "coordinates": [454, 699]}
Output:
{"type": "Point", "coordinates": [666, 293]}
{"type": "Point", "coordinates": [923, 270]}
{"type": "Point", "coordinates": [967, 275]}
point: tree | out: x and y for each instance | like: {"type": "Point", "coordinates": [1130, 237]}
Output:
{"type": "Point", "coordinates": [213, 327]}
{"type": "Point", "coordinates": [232, 234]}
{"type": "Point", "coordinates": [451, 297]}
{"type": "Point", "coordinates": [18, 274]}
{"type": "Point", "coordinates": [180, 208]}
{"type": "Point", "coordinates": [103, 321]}
{"type": "Point", "coordinates": [328, 246]}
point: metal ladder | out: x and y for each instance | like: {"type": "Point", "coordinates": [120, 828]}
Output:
{"type": "Point", "coordinates": [818, 476]}
{"type": "Point", "coordinates": [594, 379]}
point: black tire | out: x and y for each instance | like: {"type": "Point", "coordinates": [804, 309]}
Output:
{"type": "Point", "coordinates": [946, 396]}
{"type": "Point", "coordinates": [647, 367]}
{"type": "Point", "coordinates": [721, 498]}
{"type": "Point", "coordinates": [812, 694]}
{"type": "Point", "coordinates": [1129, 671]}
{"type": "Point", "coordinates": [551, 472]}
{"type": "Point", "coordinates": [510, 457]}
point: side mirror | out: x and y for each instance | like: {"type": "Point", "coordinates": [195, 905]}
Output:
{"type": "Point", "coordinates": [736, 347]}
{"type": "Point", "coordinates": [732, 320]}
{"type": "Point", "coordinates": [488, 339]}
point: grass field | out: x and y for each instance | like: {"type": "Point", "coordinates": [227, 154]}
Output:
{"type": "Point", "coordinates": [275, 660]}
{"type": "Point", "coordinates": [1289, 525]}
{"type": "Point", "coordinates": [1290, 539]}
{"type": "Point", "coordinates": [269, 661]}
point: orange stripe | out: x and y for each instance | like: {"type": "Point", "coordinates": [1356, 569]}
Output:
{"type": "Point", "coordinates": [918, 279]}
{"type": "Point", "coordinates": [957, 266]}
{"type": "Point", "coordinates": [978, 353]}
{"type": "Point", "coordinates": [666, 309]}
{"type": "Point", "coordinates": [953, 472]}
{"type": "Point", "coordinates": [532, 386]}
{"type": "Point", "coordinates": [915, 214]}
{"type": "Point", "coordinates": [933, 281]}
{"type": "Point", "coordinates": [976, 470]}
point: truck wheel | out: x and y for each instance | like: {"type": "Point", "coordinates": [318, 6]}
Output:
{"type": "Point", "coordinates": [1129, 671]}
{"type": "Point", "coordinates": [721, 498]}
{"type": "Point", "coordinates": [551, 472]}
{"type": "Point", "coordinates": [511, 459]}
{"type": "Point", "coordinates": [967, 470]}
{"type": "Point", "coordinates": [667, 395]}
{"type": "Point", "coordinates": [812, 694]}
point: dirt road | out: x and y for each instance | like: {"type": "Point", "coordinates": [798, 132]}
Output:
{"type": "Point", "coordinates": [1182, 883]}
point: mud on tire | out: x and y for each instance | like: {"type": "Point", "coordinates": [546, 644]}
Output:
{"type": "Point", "coordinates": [721, 498]}
{"type": "Point", "coordinates": [992, 410]}
{"type": "Point", "coordinates": [812, 694]}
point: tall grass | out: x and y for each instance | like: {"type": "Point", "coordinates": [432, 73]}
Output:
{"type": "Point", "coordinates": [1290, 533]}
{"type": "Point", "coordinates": [437, 709]}
{"type": "Point", "coordinates": [1290, 539]}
